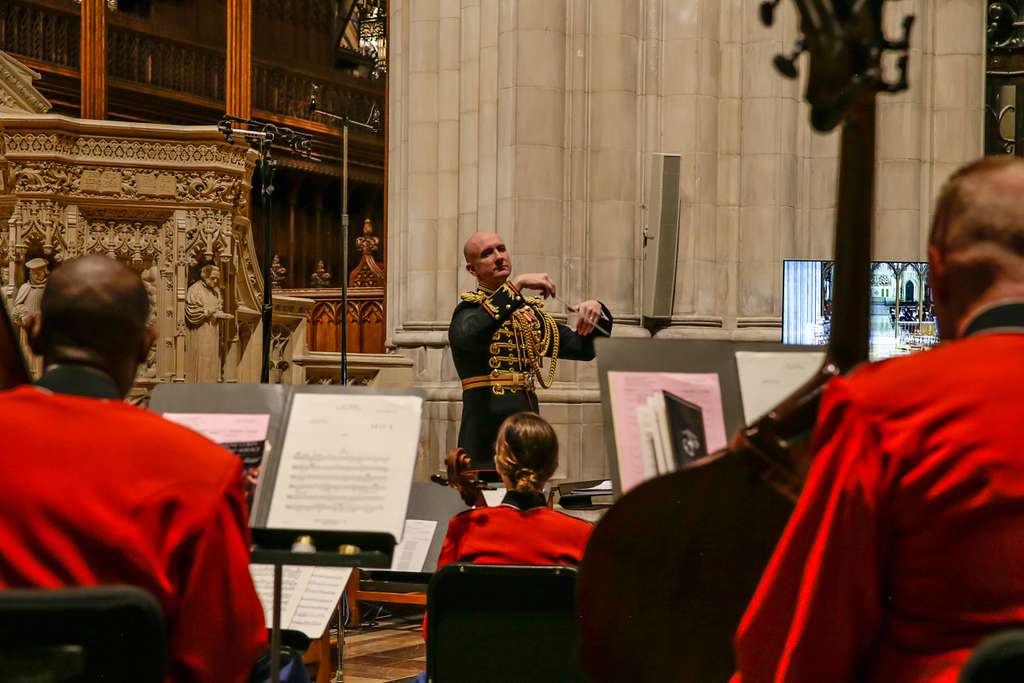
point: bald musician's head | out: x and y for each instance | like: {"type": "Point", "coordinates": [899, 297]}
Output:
{"type": "Point", "coordinates": [976, 249]}
{"type": "Point", "coordinates": [94, 312]}
{"type": "Point", "coordinates": [487, 259]}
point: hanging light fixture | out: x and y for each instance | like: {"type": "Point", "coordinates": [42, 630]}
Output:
{"type": "Point", "coordinates": [363, 41]}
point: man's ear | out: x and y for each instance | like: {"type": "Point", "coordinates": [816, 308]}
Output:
{"type": "Point", "coordinates": [33, 325]}
{"type": "Point", "coordinates": [470, 269]}
{"type": "Point", "coordinates": [148, 339]}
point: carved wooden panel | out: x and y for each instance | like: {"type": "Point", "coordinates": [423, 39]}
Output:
{"type": "Point", "coordinates": [365, 321]}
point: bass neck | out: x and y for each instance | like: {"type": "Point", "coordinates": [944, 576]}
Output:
{"type": "Point", "coordinates": [851, 292]}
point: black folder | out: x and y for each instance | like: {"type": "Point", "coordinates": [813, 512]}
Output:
{"type": "Point", "coordinates": [686, 429]}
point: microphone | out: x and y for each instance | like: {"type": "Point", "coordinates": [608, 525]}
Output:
{"type": "Point", "coordinates": [314, 95]}
{"type": "Point", "coordinates": [225, 128]}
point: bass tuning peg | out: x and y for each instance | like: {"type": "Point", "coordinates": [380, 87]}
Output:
{"type": "Point", "coordinates": [904, 82]}
{"type": "Point", "coordinates": [786, 64]}
{"type": "Point", "coordinates": [904, 42]}
{"type": "Point", "coordinates": [768, 11]}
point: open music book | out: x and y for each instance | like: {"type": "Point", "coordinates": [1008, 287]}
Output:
{"type": "Point", "coordinates": [309, 595]}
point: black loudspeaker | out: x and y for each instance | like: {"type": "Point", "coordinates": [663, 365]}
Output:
{"type": "Point", "coordinates": [661, 235]}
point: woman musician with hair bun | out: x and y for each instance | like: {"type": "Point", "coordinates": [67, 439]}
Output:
{"type": "Point", "coordinates": [522, 530]}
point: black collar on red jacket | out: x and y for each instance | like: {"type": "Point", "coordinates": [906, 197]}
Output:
{"type": "Point", "coordinates": [1000, 319]}
{"type": "Point", "coordinates": [79, 380]}
{"type": "Point", "coordinates": [524, 501]}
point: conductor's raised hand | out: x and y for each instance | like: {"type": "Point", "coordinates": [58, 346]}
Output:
{"type": "Point", "coordinates": [539, 281]}
{"type": "Point", "coordinates": [589, 313]}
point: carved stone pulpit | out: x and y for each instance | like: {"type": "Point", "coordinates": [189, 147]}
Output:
{"type": "Point", "coordinates": [165, 200]}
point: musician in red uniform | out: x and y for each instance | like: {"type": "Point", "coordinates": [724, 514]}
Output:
{"type": "Point", "coordinates": [522, 530]}
{"type": "Point", "coordinates": [907, 545]}
{"type": "Point", "coordinates": [94, 491]}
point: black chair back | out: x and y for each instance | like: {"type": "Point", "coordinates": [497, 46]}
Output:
{"type": "Point", "coordinates": [112, 634]}
{"type": "Point", "coordinates": [497, 624]}
{"type": "Point", "coordinates": [998, 659]}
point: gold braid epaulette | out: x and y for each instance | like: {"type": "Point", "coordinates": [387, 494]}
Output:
{"type": "Point", "coordinates": [474, 297]}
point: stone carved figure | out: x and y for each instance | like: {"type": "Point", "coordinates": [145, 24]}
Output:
{"type": "Point", "coordinates": [321, 277]}
{"type": "Point", "coordinates": [277, 273]}
{"type": "Point", "coordinates": [204, 311]}
{"type": "Point", "coordinates": [29, 298]}
{"type": "Point", "coordinates": [27, 304]}
{"type": "Point", "coordinates": [150, 281]}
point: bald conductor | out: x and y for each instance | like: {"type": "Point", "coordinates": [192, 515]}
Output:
{"type": "Point", "coordinates": [499, 337]}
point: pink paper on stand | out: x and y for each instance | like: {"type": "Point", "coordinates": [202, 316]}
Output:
{"type": "Point", "coordinates": [628, 390]}
{"type": "Point", "coordinates": [225, 427]}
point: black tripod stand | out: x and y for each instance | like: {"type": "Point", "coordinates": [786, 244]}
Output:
{"type": "Point", "coordinates": [262, 136]}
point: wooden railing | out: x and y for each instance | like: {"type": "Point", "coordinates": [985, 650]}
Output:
{"type": "Point", "coordinates": [50, 36]}
{"type": "Point", "coordinates": [278, 90]}
{"type": "Point", "coordinates": [178, 67]}
{"type": "Point", "coordinates": [40, 33]}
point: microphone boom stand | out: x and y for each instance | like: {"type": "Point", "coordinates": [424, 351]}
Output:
{"type": "Point", "coordinates": [263, 135]}
{"type": "Point", "coordinates": [345, 123]}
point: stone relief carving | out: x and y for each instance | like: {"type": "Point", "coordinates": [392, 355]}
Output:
{"type": "Point", "coordinates": [39, 222]}
{"type": "Point", "coordinates": [162, 199]}
{"type": "Point", "coordinates": [17, 94]}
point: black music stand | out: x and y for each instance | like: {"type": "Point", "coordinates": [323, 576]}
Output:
{"type": "Point", "coordinates": [273, 547]}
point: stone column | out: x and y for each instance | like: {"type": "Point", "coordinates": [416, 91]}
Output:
{"type": "Point", "coordinates": [610, 153]}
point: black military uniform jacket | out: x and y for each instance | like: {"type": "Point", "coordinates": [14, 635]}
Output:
{"type": "Point", "coordinates": [491, 336]}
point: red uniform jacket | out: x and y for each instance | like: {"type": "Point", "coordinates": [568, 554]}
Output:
{"type": "Point", "coordinates": [522, 530]}
{"type": "Point", "coordinates": [907, 544]}
{"type": "Point", "coordinates": [99, 492]}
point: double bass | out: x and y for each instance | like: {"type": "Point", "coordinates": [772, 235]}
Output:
{"type": "Point", "coordinates": [673, 564]}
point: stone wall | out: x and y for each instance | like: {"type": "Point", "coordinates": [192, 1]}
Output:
{"type": "Point", "coordinates": [538, 118]}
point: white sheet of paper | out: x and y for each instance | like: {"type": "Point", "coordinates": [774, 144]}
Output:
{"type": "Point", "coordinates": [629, 389]}
{"type": "Point", "coordinates": [411, 553]}
{"type": "Point", "coordinates": [767, 377]}
{"type": "Point", "coordinates": [662, 434]}
{"type": "Point", "coordinates": [224, 427]}
{"type": "Point", "coordinates": [309, 595]}
{"type": "Point", "coordinates": [603, 487]}
{"type": "Point", "coordinates": [346, 463]}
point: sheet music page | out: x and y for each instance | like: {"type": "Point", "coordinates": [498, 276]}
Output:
{"type": "Point", "coordinates": [411, 553]}
{"type": "Point", "coordinates": [629, 390]}
{"type": "Point", "coordinates": [309, 595]}
{"type": "Point", "coordinates": [767, 377]}
{"type": "Point", "coordinates": [346, 463]}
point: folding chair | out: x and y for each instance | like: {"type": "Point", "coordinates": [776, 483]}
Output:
{"type": "Point", "coordinates": [112, 634]}
{"type": "Point", "coordinates": [500, 623]}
